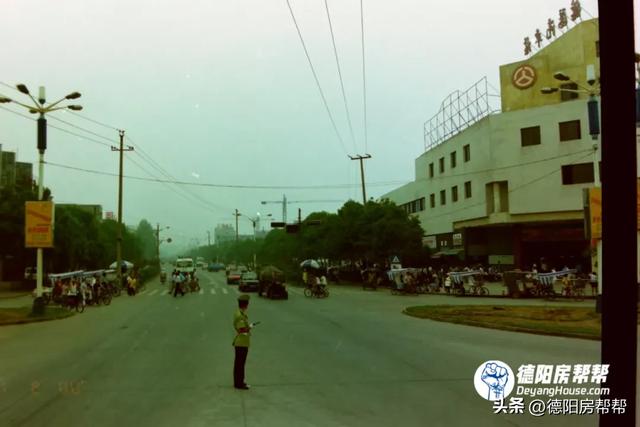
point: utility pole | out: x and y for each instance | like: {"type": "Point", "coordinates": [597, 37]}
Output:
{"type": "Point", "coordinates": [299, 215]}
{"type": "Point", "coordinates": [236, 215]}
{"type": "Point", "coordinates": [209, 237]}
{"type": "Point", "coordinates": [361, 158]}
{"type": "Point", "coordinates": [158, 242]}
{"type": "Point", "coordinates": [284, 208]}
{"type": "Point", "coordinates": [119, 236]}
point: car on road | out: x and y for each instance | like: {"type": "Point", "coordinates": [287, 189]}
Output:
{"type": "Point", "coordinates": [215, 267]}
{"type": "Point", "coordinates": [234, 276]}
{"type": "Point", "coordinates": [249, 282]}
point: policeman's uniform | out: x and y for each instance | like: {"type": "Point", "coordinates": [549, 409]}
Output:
{"type": "Point", "coordinates": [241, 344]}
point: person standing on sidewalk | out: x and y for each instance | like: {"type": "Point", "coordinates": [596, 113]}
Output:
{"type": "Point", "coordinates": [241, 341]}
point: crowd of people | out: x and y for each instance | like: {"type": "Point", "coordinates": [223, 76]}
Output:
{"type": "Point", "coordinates": [85, 289]}
{"type": "Point", "coordinates": [183, 282]}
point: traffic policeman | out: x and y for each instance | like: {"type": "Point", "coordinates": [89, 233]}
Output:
{"type": "Point", "coordinates": [241, 341]}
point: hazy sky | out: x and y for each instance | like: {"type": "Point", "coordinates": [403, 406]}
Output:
{"type": "Point", "coordinates": [220, 92]}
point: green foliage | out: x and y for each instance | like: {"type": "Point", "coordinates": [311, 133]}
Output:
{"type": "Point", "coordinates": [146, 237]}
{"type": "Point", "coordinates": [371, 233]}
{"type": "Point", "coordinates": [148, 272]}
{"type": "Point", "coordinates": [14, 257]}
{"type": "Point", "coordinates": [81, 241]}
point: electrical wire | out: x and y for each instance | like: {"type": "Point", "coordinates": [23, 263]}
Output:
{"type": "Point", "coordinates": [149, 160]}
{"type": "Point", "coordinates": [203, 206]}
{"type": "Point", "coordinates": [526, 184]}
{"type": "Point", "coordinates": [364, 81]}
{"type": "Point", "coordinates": [498, 168]}
{"type": "Point", "coordinates": [344, 96]}
{"type": "Point", "coordinates": [49, 125]}
{"type": "Point", "coordinates": [315, 77]}
{"type": "Point", "coordinates": [93, 121]}
{"type": "Point", "coordinates": [202, 184]}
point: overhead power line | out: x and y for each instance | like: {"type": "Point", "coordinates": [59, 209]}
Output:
{"type": "Point", "coordinates": [49, 125]}
{"type": "Point", "coordinates": [344, 96]}
{"type": "Point", "coordinates": [315, 77]}
{"type": "Point", "coordinates": [246, 187]}
{"type": "Point", "coordinates": [513, 190]}
{"type": "Point", "coordinates": [149, 160]}
{"type": "Point", "coordinates": [364, 81]}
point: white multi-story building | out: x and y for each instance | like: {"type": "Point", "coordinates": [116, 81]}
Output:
{"type": "Point", "coordinates": [507, 187]}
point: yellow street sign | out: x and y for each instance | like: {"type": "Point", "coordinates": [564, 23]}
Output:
{"type": "Point", "coordinates": [38, 231]}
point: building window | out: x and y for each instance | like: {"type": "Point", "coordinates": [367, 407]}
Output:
{"type": "Point", "coordinates": [467, 190]}
{"type": "Point", "coordinates": [421, 203]}
{"type": "Point", "coordinates": [568, 96]}
{"type": "Point", "coordinates": [570, 131]}
{"type": "Point", "coordinates": [441, 164]}
{"type": "Point", "coordinates": [598, 49]}
{"type": "Point", "coordinates": [430, 170]}
{"type": "Point", "coordinates": [453, 160]}
{"type": "Point", "coordinates": [443, 197]}
{"type": "Point", "coordinates": [454, 193]}
{"type": "Point", "coordinates": [467, 152]}
{"type": "Point", "coordinates": [581, 173]}
{"type": "Point", "coordinates": [432, 200]}
{"type": "Point", "coordinates": [530, 136]}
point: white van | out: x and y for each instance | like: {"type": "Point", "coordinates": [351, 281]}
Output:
{"type": "Point", "coordinates": [185, 265]}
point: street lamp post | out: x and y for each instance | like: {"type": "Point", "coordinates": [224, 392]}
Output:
{"type": "Point", "coordinates": [593, 91]}
{"type": "Point", "coordinates": [40, 108]}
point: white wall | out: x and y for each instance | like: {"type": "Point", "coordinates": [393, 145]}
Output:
{"type": "Point", "coordinates": [495, 145]}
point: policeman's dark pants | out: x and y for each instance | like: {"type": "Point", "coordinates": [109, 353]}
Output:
{"type": "Point", "coordinates": [238, 365]}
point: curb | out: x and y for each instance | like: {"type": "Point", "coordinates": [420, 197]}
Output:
{"type": "Point", "coordinates": [507, 328]}
{"type": "Point", "coordinates": [37, 319]}
{"type": "Point", "coordinates": [15, 296]}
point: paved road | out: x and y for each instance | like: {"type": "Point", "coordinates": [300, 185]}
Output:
{"type": "Point", "coordinates": [350, 360]}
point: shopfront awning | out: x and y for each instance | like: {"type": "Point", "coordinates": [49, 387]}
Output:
{"type": "Point", "coordinates": [448, 252]}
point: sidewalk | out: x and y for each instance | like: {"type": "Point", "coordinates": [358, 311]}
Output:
{"type": "Point", "coordinates": [13, 294]}
{"type": "Point", "coordinates": [12, 299]}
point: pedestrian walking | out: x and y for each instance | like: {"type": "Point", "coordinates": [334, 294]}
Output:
{"type": "Point", "coordinates": [177, 284]}
{"type": "Point", "coordinates": [241, 341]}
{"type": "Point", "coordinates": [593, 280]}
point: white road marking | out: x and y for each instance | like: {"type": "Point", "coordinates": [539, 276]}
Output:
{"type": "Point", "coordinates": [201, 291]}
{"type": "Point", "coordinates": [224, 291]}
{"type": "Point", "coordinates": [166, 291]}
{"type": "Point", "coordinates": [237, 291]}
{"type": "Point", "coordinates": [153, 292]}
{"type": "Point", "coordinates": [143, 292]}
{"type": "Point", "coordinates": [213, 291]}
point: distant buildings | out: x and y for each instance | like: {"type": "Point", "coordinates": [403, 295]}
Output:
{"type": "Point", "coordinates": [227, 233]}
{"type": "Point", "coordinates": [12, 173]}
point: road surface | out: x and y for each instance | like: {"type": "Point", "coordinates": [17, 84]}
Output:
{"type": "Point", "coordinates": [350, 360]}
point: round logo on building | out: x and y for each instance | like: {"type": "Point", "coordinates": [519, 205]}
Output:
{"type": "Point", "coordinates": [494, 380]}
{"type": "Point", "coordinates": [524, 77]}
